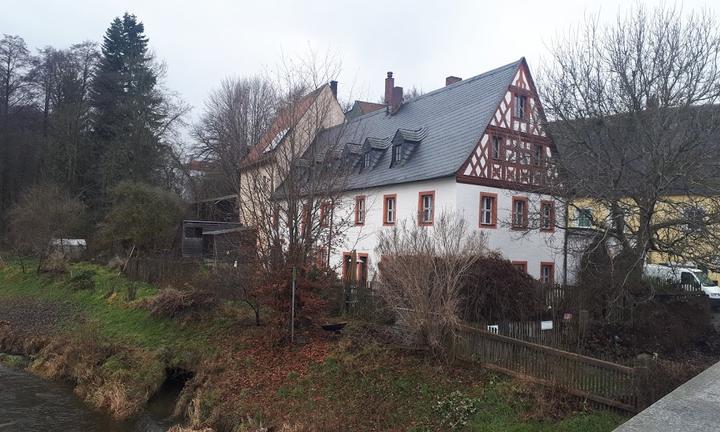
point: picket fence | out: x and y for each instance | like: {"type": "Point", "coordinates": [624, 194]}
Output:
{"type": "Point", "coordinates": [593, 379]}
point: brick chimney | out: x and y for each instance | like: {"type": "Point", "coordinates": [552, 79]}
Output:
{"type": "Point", "coordinates": [389, 84]}
{"type": "Point", "coordinates": [333, 88]}
{"type": "Point", "coordinates": [452, 80]}
{"type": "Point", "coordinates": [397, 98]}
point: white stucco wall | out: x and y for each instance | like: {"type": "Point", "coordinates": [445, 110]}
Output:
{"type": "Point", "coordinates": [363, 239]}
{"type": "Point", "coordinates": [532, 246]}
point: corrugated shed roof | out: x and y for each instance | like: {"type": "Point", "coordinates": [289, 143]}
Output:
{"type": "Point", "coordinates": [448, 123]}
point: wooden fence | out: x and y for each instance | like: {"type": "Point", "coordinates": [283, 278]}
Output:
{"type": "Point", "coordinates": [162, 270]}
{"type": "Point", "coordinates": [596, 380]}
{"type": "Point", "coordinates": [557, 333]}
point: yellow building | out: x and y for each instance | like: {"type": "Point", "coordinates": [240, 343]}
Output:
{"type": "Point", "coordinates": [683, 228]}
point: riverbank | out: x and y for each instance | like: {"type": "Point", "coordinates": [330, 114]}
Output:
{"type": "Point", "coordinates": [104, 340]}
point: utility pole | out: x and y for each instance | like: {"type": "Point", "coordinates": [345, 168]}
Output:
{"type": "Point", "coordinates": [292, 309]}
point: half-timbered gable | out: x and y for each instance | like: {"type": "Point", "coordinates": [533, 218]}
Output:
{"type": "Point", "coordinates": [515, 151]}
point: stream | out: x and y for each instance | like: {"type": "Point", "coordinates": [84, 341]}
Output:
{"type": "Point", "coordinates": [31, 404]}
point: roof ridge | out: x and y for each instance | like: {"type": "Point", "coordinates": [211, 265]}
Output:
{"type": "Point", "coordinates": [485, 74]}
{"type": "Point", "coordinates": [469, 80]}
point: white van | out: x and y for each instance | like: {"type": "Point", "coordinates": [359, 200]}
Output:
{"type": "Point", "coordinates": [688, 277]}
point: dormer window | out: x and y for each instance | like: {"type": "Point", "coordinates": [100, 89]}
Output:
{"type": "Point", "coordinates": [396, 153]}
{"type": "Point", "coordinates": [366, 160]}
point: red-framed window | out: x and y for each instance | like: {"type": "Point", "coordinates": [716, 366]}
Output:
{"type": "Point", "coordinates": [324, 214]}
{"type": "Point", "coordinates": [389, 209]}
{"type": "Point", "coordinates": [547, 272]}
{"type": "Point", "coordinates": [360, 210]}
{"type": "Point", "coordinates": [519, 212]}
{"type": "Point", "coordinates": [488, 210]}
{"type": "Point", "coordinates": [521, 106]}
{"type": "Point", "coordinates": [426, 207]}
{"type": "Point", "coordinates": [547, 216]}
{"type": "Point", "coordinates": [520, 265]}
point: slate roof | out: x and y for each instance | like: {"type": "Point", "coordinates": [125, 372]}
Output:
{"type": "Point", "coordinates": [362, 107]}
{"type": "Point", "coordinates": [595, 149]}
{"type": "Point", "coordinates": [443, 127]}
{"type": "Point", "coordinates": [282, 123]}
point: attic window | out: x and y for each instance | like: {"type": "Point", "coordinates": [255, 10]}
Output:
{"type": "Point", "coordinates": [496, 147]}
{"type": "Point", "coordinates": [397, 153]}
{"type": "Point", "coordinates": [275, 141]}
{"type": "Point", "coordinates": [366, 160]}
{"type": "Point", "coordinates": [520, 104]}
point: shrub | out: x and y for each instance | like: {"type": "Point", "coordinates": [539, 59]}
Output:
{"type": "Point", "coordinates": [421, 276]}
{"type": "Point", "coordinates": [83, 280]}
{"type": "Point", "coordinates": [672, 326]}
{"type": "Point", "coordinates": [243, 283]}
{"type": "Point", "coordinates": [140, 215]}
{"type": "Point", "coordinates": [56, 263]}
{"type": "Point", "coordinates": [493, 290]}
{"type": "Point", "coordinates": [172, 303]}
{"type": "Point", "coordinates": [660, 377]}
{"type": "Point", "coordinates": [43, 213]}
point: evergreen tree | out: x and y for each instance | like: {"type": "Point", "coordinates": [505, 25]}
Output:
{"type": "Point", "coordinates": [129, 108]}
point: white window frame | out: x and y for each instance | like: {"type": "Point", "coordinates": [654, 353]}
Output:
{"type": "Point", "coordinates": [428, 202]}
{"type": "Point", "coordinates": [390, 203]}
{"type": "Point", "coordinates": [397, 153]}
{"type": "Point", "coordinates": [366, 160]}
{"type": "Point", "coordinates": [546, 215]}
{"type": "Point", "coordinates": [360, 210]}
{"type": "Point", "coordinates": [519, 217]}
{"type": "Point", "coordinates": [487, 213]}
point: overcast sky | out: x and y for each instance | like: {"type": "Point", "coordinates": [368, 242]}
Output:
{"type": "Point", "coordinates": [421, 42]}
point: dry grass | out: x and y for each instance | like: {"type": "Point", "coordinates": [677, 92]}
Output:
{"type": "Point", "coordinates": [172, 303]}
{"type": "Point", "coordinates": [56, 263]}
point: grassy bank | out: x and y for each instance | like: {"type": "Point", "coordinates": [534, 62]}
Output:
{"type": "Point", "coordinates": [105, 340]}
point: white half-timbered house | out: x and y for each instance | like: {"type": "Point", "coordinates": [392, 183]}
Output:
{"type": "Point", "coordinates": [476, 147]}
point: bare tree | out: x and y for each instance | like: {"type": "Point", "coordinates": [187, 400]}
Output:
{"type": "Point", "coordinates": [422, 274]}
{"type": "Point", "coordinates": [635, 121]}
{"type": "Point", "coordinates": [293, 177]}
{"type": "Point", "coordinates": [16, 113]}
{"type": "Point", "coordinates": [236, 116]}
{"type": "Point", "coordinates": [15, 61]}
{"type": "Point", "coordinates": [44, 213]}
{"type": "Point", "coordinates": [62, 80]}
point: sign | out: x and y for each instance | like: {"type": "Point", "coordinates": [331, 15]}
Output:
{"type": "Point", "coordinates": [546, 325]}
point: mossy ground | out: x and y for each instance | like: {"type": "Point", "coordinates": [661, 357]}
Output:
{"type": "Point", "coordinates": [353, 382]}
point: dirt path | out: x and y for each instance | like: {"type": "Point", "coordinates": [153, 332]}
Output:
{"type": "Point", "coordinates": [32, 316]}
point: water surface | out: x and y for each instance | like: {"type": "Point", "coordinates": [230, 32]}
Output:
{"type": "Point", "coordinates": [31, 404]}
